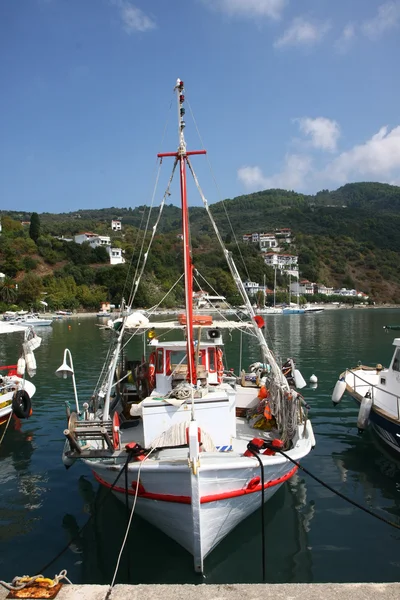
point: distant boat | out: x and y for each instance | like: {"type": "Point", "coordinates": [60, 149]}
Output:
{"type": "Point", "coordinates": [30, 320]}
{"type": "Point", "coordinates": [293, 309]}
{"type": "Point", "coordinates": [377, 390]}
{"type": "Point", "coordinates": [314, 309]}
{"type": "Point", "coordinates": [103, 313]}
{"type": "Point", "coordinates": [393, 327]}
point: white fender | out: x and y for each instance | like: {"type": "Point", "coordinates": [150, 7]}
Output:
{"type": "Point", "coordinates": [30, 363]}
{"type": "Point", "coordinates": [364, 412]}
{"type": "Point", "coordinates": [21, 366]}
{"type": "Point", "coordinates": [299, 380]}
{"type": "Point", "coordinates": [338, 391]}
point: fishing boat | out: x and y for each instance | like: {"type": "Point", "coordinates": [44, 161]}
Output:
{"type": "Point", "coordinates": [377, 391]}
{"type": "Point", "coordinates": [192, 447]}
{"type": "Point", "coordinates": [15, 390]}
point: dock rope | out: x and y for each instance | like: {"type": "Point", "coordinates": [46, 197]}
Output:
{"type": "Point", "coordinates": [19, 583]}
{"type": "Point", "coordinates": [6, 427]}
{"type": "Point", "coordinates": [252, 448]}
{"type": "Point", "coordinates": [76, 537]}
{"type": "Point", "coordinates": [128, 525]}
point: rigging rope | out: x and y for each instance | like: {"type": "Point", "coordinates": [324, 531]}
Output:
{"type": "Point", "coordinates": [219, 191]}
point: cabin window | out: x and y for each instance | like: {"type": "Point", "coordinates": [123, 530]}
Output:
{"type": "Point", "coordinates": [396, 361]}
{"type": "Point", "coordinates": [159, 360]}
{"type": "Point", "coordinates": [202, 358]}
{"type": "Point", "coordinates": [174, 359]}
{"type": "Point", "coordinates": [211, 360]}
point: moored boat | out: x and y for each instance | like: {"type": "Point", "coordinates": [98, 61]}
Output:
{"type": "Point", "coordinates": [190, 445]}
{"type": "Point", "coordinates": [15, 390]}
{"type": "Point", "coordinates": [377, 391]}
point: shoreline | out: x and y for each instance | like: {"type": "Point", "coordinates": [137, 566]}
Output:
{"type": "Point", "coordinates": [49, 315]}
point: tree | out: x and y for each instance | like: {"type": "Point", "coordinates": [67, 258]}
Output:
{"type": "Point", "coordinates": [34, 227]}
{"type": "Point", "coordinates": [8, 292]}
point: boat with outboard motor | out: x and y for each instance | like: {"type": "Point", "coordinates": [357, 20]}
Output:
{"type": "Point", "coordinates": [15, 390]}
{"type": "Point", "coordinates": [191, 446]}
{"type": "Point", "coordinates": [377, 391]}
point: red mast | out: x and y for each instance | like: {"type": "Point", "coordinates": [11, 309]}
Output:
{"type": "Point", "coordinates": [181, 156]}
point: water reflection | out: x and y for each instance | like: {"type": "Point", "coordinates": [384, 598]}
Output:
{"type": "Point", "coordinates": [288, 515]}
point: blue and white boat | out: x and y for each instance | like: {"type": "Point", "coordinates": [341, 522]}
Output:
{"type": "Point", "coordinates": [377, 391]}
{"type": "Point", "coordinates": [293, 309]}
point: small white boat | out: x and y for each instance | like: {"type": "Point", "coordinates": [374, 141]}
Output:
{"type": "Point", "coordinates": [377, 391]}
{"type": "Point", "coordinates": [196, 445]}
{"type": "Point", "coordinates": [311, 308]}
{"type": "Point", "coordinates": [31, 320]}
{"type": "Point", "coordinates": [15, 390]}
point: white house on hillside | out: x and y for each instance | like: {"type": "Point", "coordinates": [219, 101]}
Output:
{"type": "Point", "coordinates": [93, 239]}
{"type": "Point", "coordinates": [116, 257]}
{"type": "Point", "coordinates": [116, 225]}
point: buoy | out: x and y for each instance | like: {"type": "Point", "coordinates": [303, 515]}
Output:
{"type": "Point", "coordinates": [364, 412]}
{"type": "Point", "coordinates": [69, 326]}
{"type": "Point", "coordinates": [21, 366]}
{"type": "Point", "coordinates": [313, 379]}
{"type": "Point", "coordinates": [299, 380]}
{"type": "Point", "coordinates": [338, 390]}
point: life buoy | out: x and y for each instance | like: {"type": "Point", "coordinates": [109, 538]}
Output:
{"type": "Point", "coordinates": [151, 372]}
{"type": "Point", "coordinates": [21, 404]}
{"type": "Point", "coordinates": [220, 365]}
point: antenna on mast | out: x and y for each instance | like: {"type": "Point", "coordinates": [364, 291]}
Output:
{"type": "Point", "coordinates": [180, 88]}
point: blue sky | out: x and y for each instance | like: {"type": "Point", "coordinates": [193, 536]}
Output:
{"type": "Point", "coordinates": [298, 94]}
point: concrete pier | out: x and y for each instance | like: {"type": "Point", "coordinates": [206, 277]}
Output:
{"type": "Point", "coordinates": [293, 591]}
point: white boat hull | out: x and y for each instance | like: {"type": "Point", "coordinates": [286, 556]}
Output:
{"type": "Point", "coordinates": [198, 511]}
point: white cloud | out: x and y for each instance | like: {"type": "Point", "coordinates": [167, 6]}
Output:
{"type": "Point", "coordinates": [387, 18]}
{"type": "Point", "coordinates": [302, 33]}
{"type": "Point", "coordinates": [343, 43]}
{"type": "Point", "coordinates": [324, 133]}
{"type": "Point", "coordinates": [133, 18]}
{"type": "Point", "coordinates": [249, 8]}
{"type": "Point", "coordinates": [292, 176]}
{"type": "Point", "coordinates": [377, 159]}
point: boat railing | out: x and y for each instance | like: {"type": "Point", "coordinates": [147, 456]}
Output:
{"type": "Point", "coordinates": [370, 386]}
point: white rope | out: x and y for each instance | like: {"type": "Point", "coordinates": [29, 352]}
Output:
{"type": "Point", "coordinates": [166, 194]}
{"type": "Point", "coordinates": [130, 518]}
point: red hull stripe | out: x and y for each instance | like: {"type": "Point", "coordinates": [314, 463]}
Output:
{"type": "Point", "coordinates": [203, 499]}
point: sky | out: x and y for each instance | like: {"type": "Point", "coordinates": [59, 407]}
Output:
{"type": "Point", "coordinates": [294, 94]}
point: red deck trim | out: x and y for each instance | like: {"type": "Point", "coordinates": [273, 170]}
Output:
{"type": "Point", "coordinates": [203, 499]}
{"type": "Point", "coordinates": [245, 491]}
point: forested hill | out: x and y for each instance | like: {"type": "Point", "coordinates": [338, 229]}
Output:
{"type": "Point", "coordinates": [347, 237]}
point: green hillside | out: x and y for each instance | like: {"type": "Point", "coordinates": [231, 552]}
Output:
{"type": "Point", "coordinates": [344, 238]}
